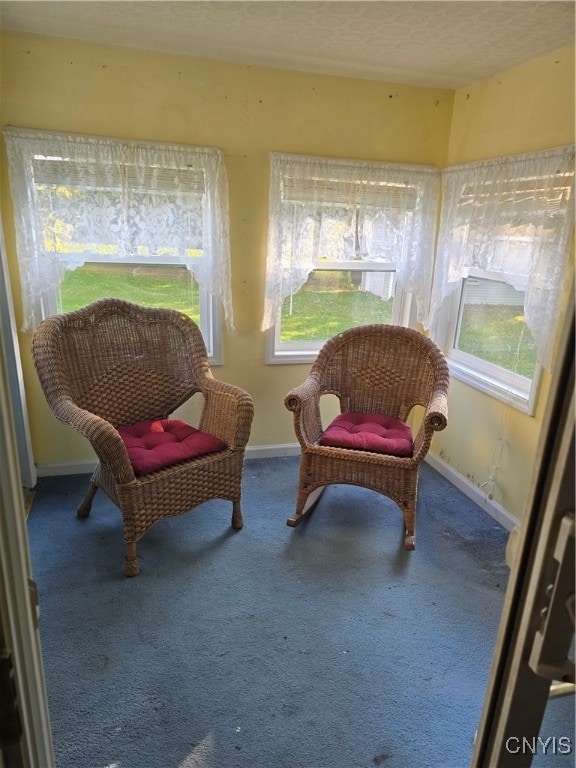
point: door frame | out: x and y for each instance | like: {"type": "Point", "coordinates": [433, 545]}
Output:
{"type": "Point", "coordinates": [18, 604]}
{"type": "Point", "coordinates": [518, 689]}
{"type": "Point", "coordinates": [14, 374]}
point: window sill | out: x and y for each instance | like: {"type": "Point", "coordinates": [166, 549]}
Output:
{"type": "Point", "coordinates": [521, 398]}
{"type": "Point", "coordinates": [289, 357]}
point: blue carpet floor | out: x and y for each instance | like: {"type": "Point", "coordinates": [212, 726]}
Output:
{"type": "Point", "coordinates": [324, 646]}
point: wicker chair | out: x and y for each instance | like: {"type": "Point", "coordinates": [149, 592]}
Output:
{"type": "Point", "coordinates": [113, 364]}
{"type": "Point", "coordinates": [374, 369]}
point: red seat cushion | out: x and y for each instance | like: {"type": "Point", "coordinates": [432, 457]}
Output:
{"type": "Point", "coordinates": [153, 445]}
{"type": "Point", "coordinates": [369, 432]}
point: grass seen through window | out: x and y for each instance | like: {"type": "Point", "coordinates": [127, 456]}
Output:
{"type": "Point", "coordinates": [328, 304]}
{"type": "Point", "coordinates": [492, 326]}
{"type": "Point", "coordinates": [497, 333]}
{"type": "Point", "coordinates": [171, 286]}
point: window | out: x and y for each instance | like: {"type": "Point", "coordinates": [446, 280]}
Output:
{"type": "Point", "coordinates": [102, 217]}
{"type": "Point", "coordinates": [502, 268]}
{"type": "Point", "coordinates": [491, 326]}
{"type": "Point", "coordinates": [346, 241]}
{"type": "Point", "coordinates": [489, 344]}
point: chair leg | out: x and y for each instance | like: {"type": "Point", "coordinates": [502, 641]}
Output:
{"type": "Point", "coordinates": [237, 519]}
{"type": "Point", "coordinates": [131, 564]}
{"type": "Point", "coordinates": [84, 509]}
{"type": "Point", "coordinates": [305, 505]}
{"type": "Point", "coordinates": [409, 530]}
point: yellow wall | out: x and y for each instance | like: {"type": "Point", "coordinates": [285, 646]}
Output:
{"type": "Point", "coordinates": [63, 85]}
{"type": "Point", "coordinates": [524, 109]}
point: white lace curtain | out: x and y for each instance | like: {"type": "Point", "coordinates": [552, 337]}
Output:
{"type": "Point", "coordinates": [513, 217]}
{"type": "Point", "coordinates": [79, 198]}
{"type": "Point", "coordinates": [324, 210]}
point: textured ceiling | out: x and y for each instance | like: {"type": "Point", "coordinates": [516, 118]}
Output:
{"type": "Point", "coordinates": [422, 42]}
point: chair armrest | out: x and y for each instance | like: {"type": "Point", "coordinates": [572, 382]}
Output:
{"type": "Point", "coordinates": [104, 438]}
{"type": "Point", "coordinates": [228, 412]}
{"type": "Point", "coordinates": [437, 411]}
{"type": "Point", "coordinates": [435, 419]}
{"type": "Point", "coordinates": [304, 402]}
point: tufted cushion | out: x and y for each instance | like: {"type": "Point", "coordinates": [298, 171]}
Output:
{"type": "Point", "coordinates": [153, 445]}
{"type": "Point", "coordinates": [369, 432]}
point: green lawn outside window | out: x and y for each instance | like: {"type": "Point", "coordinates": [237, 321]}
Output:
{"type": "Point", "coordinates": [320, 310]}
{"type": "Point", "coordinates": [170, 286]}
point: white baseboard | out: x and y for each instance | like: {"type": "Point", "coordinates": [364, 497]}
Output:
{"type": "Point", "coordinates": [472, 491]}
{"type": "Point", "coordinates": [68, 468]}
{"type": "Point", "coordinates": [293, 449]}
{"type": "Point", "coordinates": [272, 451]}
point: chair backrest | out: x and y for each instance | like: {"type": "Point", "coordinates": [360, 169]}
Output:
{"type": "Point", "coordinates": [381, 369]}
{"type": "Point", "coordinates": [121, 361]}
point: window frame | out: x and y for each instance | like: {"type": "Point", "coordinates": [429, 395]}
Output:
{"type": "Point", "coordinates": [287, 353]}
{"type": "Point", "coordinates": [387, 190]}
{"type": "Point", "coordinates": [210, 312]}
{"type": "Point", "coordinates": [504, 385]}
{"type": "Point", "coordinates": [28, 152]}
{"type": "Point", "coordinates": [544, 181]}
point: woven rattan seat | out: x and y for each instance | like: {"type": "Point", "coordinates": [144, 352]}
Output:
{"type": "Point", "coordinates": [114, 363]}
{"type": "Point", "coordinates": [373, 369]}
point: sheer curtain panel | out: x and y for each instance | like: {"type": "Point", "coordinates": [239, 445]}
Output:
{"type": "Point", "coordinates": [89, 198]}
{"type": "Point", "coordinates": [324, 210]}
{"type": "Point", "coordinates": [512, 217]}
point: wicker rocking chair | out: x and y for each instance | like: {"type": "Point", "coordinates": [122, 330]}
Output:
{"type": "Point", "coordinates": [379, 373]}
{"type": "Point", "coordinates": [115, 372]}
